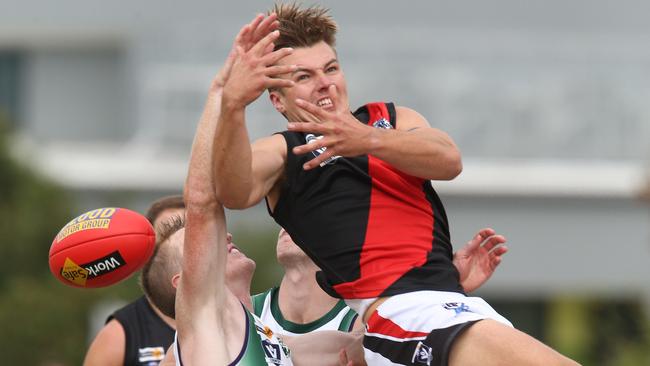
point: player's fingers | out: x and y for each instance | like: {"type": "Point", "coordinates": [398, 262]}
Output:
{"type": "Point", "coordinates": [272, 58]}
{"type": "Point", "coordinates": [476, 241]}
{"type": "Point", "coordinates": [333, 93]}
{"type": "Point", "coordinates": [311, 146]}
{"type": "Point", "coordinates": [262, 45]}
{"type": "Point", "coordinates": [240, 39]}
{"type": "Point", "coordinates": [277, 83]}
{"type": "Point", "coordinates": [343, 358]}
{"type": "Point", "coordinates": [315, 110]}
{"type": "Point", "coordinates": [486, 232]}
{"type": "Point", "coordinates": [267, 25]}
{"type": "Point", "coordinates": [493, 241]}
{"type": "Point", "coordinates": [498, 250]}
{"type": "Point", "coordinates": [247, 39]}
{"type": "Point", "coordinates": [278, 70]}
{"type": "Point", "coordinates": [255, 23]}
{"type": "Point", "coordinates": [306, 126]}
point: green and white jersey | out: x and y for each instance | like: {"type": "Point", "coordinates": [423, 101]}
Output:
{"type": "Point", "coordinates": [265, 305]}
{"type": "Point", "coordinates": [262, 346]}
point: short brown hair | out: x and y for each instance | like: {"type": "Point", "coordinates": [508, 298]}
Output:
{"type": "Point", "coordinates": [165, 262]}
{"type": "Point", "coordinates": [304, 27]}
{"type": "Point", "coordinates": [162, 204]}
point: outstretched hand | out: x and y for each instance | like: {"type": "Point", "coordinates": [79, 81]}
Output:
{"type": "Point", "coordinates": [479, 258]}
{"type": "Point", "coordinates": [253, 62]}
{"type": "Point", "coordinates": [248, 36]}
{"type": "Point", "coordinates": [342, 134]}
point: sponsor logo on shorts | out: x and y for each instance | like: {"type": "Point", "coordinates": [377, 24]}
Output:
{"type": "Point", "coordinates": [151, 355]}
{"type": "Point", "coordinates": [79, 274]}
{"type": "Point", "coordinates": [458, 307]}
{"type": "Point", "coordinates": [423, 354]}
{"type": "Point", "coordinates": [74, 273]}
{"type": "Point", "coordinates": [382, 123]}
{"type": "Point", "coordinates": [310, 138]}
{"type": "Point", "coordinates": [95, 219]}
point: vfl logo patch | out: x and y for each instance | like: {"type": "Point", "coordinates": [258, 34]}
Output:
{"type": "Point", "coordinates": [458, 307]}
{"type": "Point", "coordinates": [79, 274]}
{"type": "Point", "coordinates": [382, 123]}
{"type": "Point", "coordinates": [151, 354]}
{"type": "Point", "coordinates": [423, 354]}
{"type": "Point", "coordinates": [272, 352]}
{"type": "Point", "coordinates": [310, 138]}
{"type": "Point", "coordinates": [95, 219]}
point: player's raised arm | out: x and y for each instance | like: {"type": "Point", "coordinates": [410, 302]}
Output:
{"type": "Point", "coordinates": [244, 174]}
{"type": "Point", "coordinates": [206, 309]}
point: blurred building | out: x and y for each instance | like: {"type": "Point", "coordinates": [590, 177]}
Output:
{"type": "Point", "coordinates": [547, 100]}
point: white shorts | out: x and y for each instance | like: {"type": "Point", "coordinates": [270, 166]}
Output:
{"type": "Point", "coordinates": [418, 328]}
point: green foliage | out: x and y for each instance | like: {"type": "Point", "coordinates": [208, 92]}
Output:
{"type": "Point", "coordinates": [31, 212]}
{"type": "Point", "coordinates": [259, 245]}
{"type": "Point", "coordinates": [42, 321]}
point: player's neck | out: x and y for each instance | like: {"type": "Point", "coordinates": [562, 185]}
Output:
{"type": "Point", "coordinates": [301, 300]}
{"type": "Point", "coordinates": [243, 294]}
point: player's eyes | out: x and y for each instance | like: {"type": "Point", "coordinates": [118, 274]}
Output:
{"type": "Point", "coordinates": [332, 69]}
{"type": "Point", "coordinates": [302, 77]}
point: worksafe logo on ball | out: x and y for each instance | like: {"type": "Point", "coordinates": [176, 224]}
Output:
{"type": "Point", "coordinates": [74, 273]}
{"type": "Point", "coordinates": [79, 274]}
{"type": "Point", "coordinates": [423, 354]}
{"type": "Point", "coordinates": [95, 219]}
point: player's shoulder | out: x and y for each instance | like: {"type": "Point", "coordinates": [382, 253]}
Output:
{"type": "Point", "coordinates": [408, 118]}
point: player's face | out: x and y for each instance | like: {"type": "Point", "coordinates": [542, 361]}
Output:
{"type": "Point", "coordinates": [318, 68]}
{"type": "Point", "coordinates": [287, 249]}
{"type": "Point", "coordinates": [238, 264]}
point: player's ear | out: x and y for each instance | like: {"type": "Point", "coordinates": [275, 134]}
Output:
{"type": "Point", "coordinates": [277, 100]}
{"type": "Point", "coordinates": [175, 280]}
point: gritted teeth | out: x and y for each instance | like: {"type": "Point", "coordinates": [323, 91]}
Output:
{"type": "Point", "coordinates": [325, 102]}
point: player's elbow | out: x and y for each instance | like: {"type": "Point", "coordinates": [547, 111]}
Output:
{"type": "Point", "coordinates": [456, 164]}
{"type": "Point", "coordinates": [229, 199]}
{"type": "Point", "coordinates": [452, 163]}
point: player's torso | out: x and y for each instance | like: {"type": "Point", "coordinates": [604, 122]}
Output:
{"type": "Point", "coordinates": [147, 335]}
{"type": "Point", "coordinates": [266, 307]}
{"type": "Point", "coordinates": [263, 346]}
{"type": "Point", "coordinates": [374, 230]}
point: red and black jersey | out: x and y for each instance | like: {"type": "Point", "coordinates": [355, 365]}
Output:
{"type": "Point", "coordinates": [372, 229]}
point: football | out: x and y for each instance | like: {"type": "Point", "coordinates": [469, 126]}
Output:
{"type": "Point", "coordinates": [101, 247]}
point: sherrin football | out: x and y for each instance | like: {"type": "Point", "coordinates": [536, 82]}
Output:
{"type": "Point", "coordinates": [101, 247]}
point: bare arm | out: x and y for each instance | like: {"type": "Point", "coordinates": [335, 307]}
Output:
{"type": "Point", "coordinates": [323, 348]}
{"type": "Point", "coordinates": [414, 147]}
{"type": "Point", "coordinates": [245, 173]}
{"type": "Point", "coordinates": [206, 309]}
{"type": "Point", "coordinates": [108, 347]}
